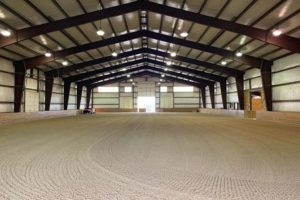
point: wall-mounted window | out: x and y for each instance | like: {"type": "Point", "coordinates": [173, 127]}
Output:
{"type": "Point", "coordinates": [108, 89]}
{"type": "Point", "coordinates": [183, 89]}
{"type": "Point", "coordinates": [128, 89]}
{"type": "Point", "coordinates": [163, 89]}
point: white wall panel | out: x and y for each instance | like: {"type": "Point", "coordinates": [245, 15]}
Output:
{"type": "Point", "coordinates": [126, 102]}
{"type": "Point", "coordinates": [287, 92]}
{"type": "Point", "coordinates": [166, 100]}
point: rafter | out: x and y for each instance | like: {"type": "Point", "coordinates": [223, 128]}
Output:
{"type": "Point", "coordinates": [222, 69]}
{"type": "Point", "coordinates": [78, 77]}
{"type": "Point", "coordinates": [33, 31]}
{"type": "Point", "coordinates": [284, 41]}
{"type": "Point", "coordinates": [246, 59]}
{"type": "Point", "coordinates": [142, 73]}
{"type": "Point", "coordinates": [146, 67]}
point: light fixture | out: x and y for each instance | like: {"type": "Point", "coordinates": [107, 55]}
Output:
{"type": "Point", "coordinates": [166, 69]}
{"type": "Point", "coordinates": [6, 33]}
{"type": "Point", "coordinates": [184, 34]}
{"type": "Point", "coordinates": [114, 54]}
{"type": "Point", "coordinates": [169, 63]}
{"type": "Point", "coordinates": [160, 80]}
{"type": "Point", "coordinates": [100, 32]}
{"type": "Point", "coordinates": [131, 80]}
{"type": "Point", "coordinates": [124, 69]}
{"type": "Point", "coordinates": [133, 83]}
{"type": "Point", "coordinates": [158, 83]}
{"type": "Point", "coordinates": [162, 75]}
{"type": "Point", "coordinates": [223, 62]}
{"type": "Point", "coordinates": [239, 54]}
{"type": "Point", "coordinates": [173, 54]}
{"type": "Point", "coordinates": [128, 75]}
{"type": "Point", "coordinates": [48, 54]}
{"type": "Point", "coordinates": [276, 32]}
{"type": "Point", "coordinates": [65, 63]}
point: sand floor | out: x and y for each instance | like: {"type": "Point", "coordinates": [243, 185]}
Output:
{"type": "Point", "coordinates": [150, 156]}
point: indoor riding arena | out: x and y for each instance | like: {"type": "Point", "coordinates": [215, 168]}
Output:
{"type": "Point", "coordinates": [149, 100]}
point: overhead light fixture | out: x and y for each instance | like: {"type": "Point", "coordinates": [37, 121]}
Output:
{"type": "Point", "coordinates": [48, 54]}
{"type": "Point", "coordinates": [114, 54]}
{"type": "Point", "coordinates": [173, 54]}
{"type": "Point", "coordinates": [160, 80]}
{"type": "Point", "coordinates": [6, 33]}
{"type": "Point", "coordinates": [65, 63]}
{"type": "Point", "coordinates": [128, 75]}
{"type": "Point", "coordinates": [131, 80]}
{"type": "Point", "coordinates": [124, 69]}
{"type": "Point", "coordinates": [223, 62]}
{"type": "Point", "coordinates": [158, 83]}
{"type": "Point", "coordinates": [276, 32]}
{"type": "Point", "coordinates": [169, 63]}
{"type": "Point", "coordinates": [162, 75]}
{"type": "Point", "coordinates": [239, 54]}
{"type": "Point", "coordinates": [133, 83]}
{"type": "Point", "coordinates": [100, 32]}
{"type": "Point", "coordinates": [184, 34]}
{"type": "Point", "coordinates": [166, 69]}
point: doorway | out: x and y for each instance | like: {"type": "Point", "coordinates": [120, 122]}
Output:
{"type": "Point", "coordinates": [256, 101]}
{"type": "Point", "coordinates": [146, 104]}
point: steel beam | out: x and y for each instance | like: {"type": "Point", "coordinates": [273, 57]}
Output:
{"type": "Point", "coordinates": [67, 87]}
{"type": "Point", "coordinates": [240, 90]}
{"type": "Point", "coordinates": [203, 96]}
{"type": "Point", "coordinates": [212, 95]}
{"type": "Point", "coordinates": [88, 96]}
{"type": "Point", "coordinates": [79, 95]}
{"type": "Point", "coordinates": [222, 69]}
{"type": "Point", "coordinates": [33, 31]}
{"type": "Point", "coordinates": [20, 71]}
{"type": "Point", "coordinates": [48, 91]}
{"type": "Point", "coordinates": [223, 88]}
{"type": "Point", "coordinates": [284, 41]}
{"type": "Point", "coordinates": [266, 76]}
{"type": "Point", "coordinates": [41, 59]}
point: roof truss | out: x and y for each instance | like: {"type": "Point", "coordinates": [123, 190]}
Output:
{"type": "Point", "coordinates": [284, 41]}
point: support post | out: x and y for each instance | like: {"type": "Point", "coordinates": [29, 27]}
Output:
{"type": "Point", "coordinates": [48, 91]}
{"type": "Point", "coordinates": [67, 86]}
{"type": "Point", "coordinates": [79, 94]}
{"type": "Point", "coordinates": [240, 90]}
{"type": "Point", "coordinates": [203, 96]}
{"type": "Point", "coordinates": [223, 88]}
{"type": "Point", "coordinates": [88, 96]}
{"type": "Point", "coordinates": [20, 71]}
{"type": "Point", "coordinates": [266, 76]}
{"type": "Point", "coordinates": [212, 95]}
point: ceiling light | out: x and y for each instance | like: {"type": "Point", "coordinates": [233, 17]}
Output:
{"type": "Point", "coordinates": [100, 32]}
{"type": "Point", "coordinates": [169, 63]}
{"type": "Point", "coordinates": [160, 80]}
{"type": "Point", "coordinates": [128, 75]}
{"type": "Point", "coordinates": [239, 54]}
{"type": "Point", "coordinates": [133, 83]}
{"type": "Point", "coordinates": [276, 32]}
{"type": "Point", "coordinates": [114, 54]}
{"type": "Point", "coordinates": [131, 80]}
{"type": "Point", "coordinates": [224, 62]}
{"type": "Point", "coordinates": [65, 63]}
{"type": "Point", "coordinates": [48, 54]}
{"type": "Point", "coordinates": [184, 34]}
{"type": "Point", "coordinates": [162, 75]}
{"type": "Point", "coordinates": [6, 33]}
{"type": "Point", "coordinates": [124, 69]}
{"type": "Point", "coordinates": [166, 69]}
{"type": "Point", "coordinates": [158, 83]}
{"type": "Point", "coordinates": [173, 54]}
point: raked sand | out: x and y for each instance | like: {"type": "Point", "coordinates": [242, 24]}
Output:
{"type": "Point", "coordinates": [150, 156]}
